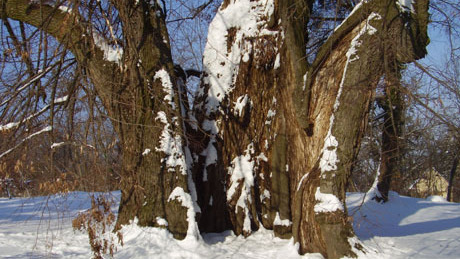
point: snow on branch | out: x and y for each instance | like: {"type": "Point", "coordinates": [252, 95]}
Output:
{"type": "Point", "coordinates": [46, 129]}
{"type": "Point", "coordinates": [13, 125]}
{"type": "Point", "coordinates": [30, 81]}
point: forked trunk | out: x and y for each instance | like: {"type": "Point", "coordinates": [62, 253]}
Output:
{"type": "Point", "coordinates": [281, 135]}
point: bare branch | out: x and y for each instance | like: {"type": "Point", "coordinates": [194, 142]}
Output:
{"type": "Point", "coordinates": [195, 13]}
{"type": "Point", "coordinates": [46, 129]}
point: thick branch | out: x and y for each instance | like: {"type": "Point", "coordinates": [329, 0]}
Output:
{"type": "Point", "coordinates": [66, 26]}
{"type": "Point", "coordinates": [413, 38]}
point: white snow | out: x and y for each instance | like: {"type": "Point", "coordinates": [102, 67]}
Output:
{"type": "Point", "coordinates": [262, 157]}
{"type": "Point", "coordinates": [146, 151]}
{"type": "Point", "coordinates": [167, 86]}
{"type": "Point", "coordinates": [436, 198]}
{"type": "Point", "coordinates": [301, 180]}
{"type": "Point", "coordinates": [65, 9]}
{"type": "Point", "coordinates": [221, 62]}
{"type": "Point", "coordinates": [277, 61]}
{"type": "Point", "coordinates": [329, 159]}
{"type": "Point", "coordinates": [56, 145]}
{"type": "Point", "coordinates": [241, 173]}
{"type": "Point", "coordinates": [405, 5]}
{"type": "Point", "coordinates": [281, 222]}
{"type": "Point", "coordinates": [9, 126]}
{"type": "Point", "coordinates": [13, 125]}
{"type": "Point", "coordinates": [402, 228]}
{"type": "Point", "coordinates": [211, 154]}
{"type": "Point", "coordinates": [374, 191]}
{"type": "Point", "coordinates": [61, 99]}
{"type": "Point", "coordinates": [327, 202]}
{"type": "Point", "coordinates": [240, 103]}
{"type": "Point", "coordinates": [161, 221]}
{"type": "Point", "coordinates": [111, 53]}
{"type": "Point", "coordinates": [265, 195]}
{"type": "Point", "coordinates": [211, 157]}
{"type": "Point", "coordinates": [186, 200]}
{"type": "Point", "coordinates": [241, 169]}
{"type": "Point", "coordinates": [270, 114]}
{"type": "Point", "coordinates": [305, 77]}
{"type": "Point", "coordinates": [46, 129]}
{"type": "Point", "coordinates": [407, 227]}
{"type": "Point", "coordinates": [171, 146]}
{"type": "Point", "coordinates": [211, 126]}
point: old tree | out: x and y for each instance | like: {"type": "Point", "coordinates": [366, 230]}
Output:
{"type": "Point", "coordinates": [271, 138]}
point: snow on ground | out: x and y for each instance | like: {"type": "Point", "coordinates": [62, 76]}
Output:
{"type": "Point", "coordinates": [402, 228]}
{"type": "Point", "coordinates": [407, 227]}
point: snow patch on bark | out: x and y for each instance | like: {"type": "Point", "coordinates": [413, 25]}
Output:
{"type": "Point", "coordinates": [187, 201]}
{"type": "Point", "coordinates": [161, 221]}
{"type": "Point", "coordinates": [191, 183]}
{"type": "Point", "coordinates": [265, 195]}
{"type": "Point", "coordinates": [329, 159]}
{"type": "Point", "coordinates": [262, 157]}
{"type": "Point", "coordinates": [56, 145]}
{"type": "Point", "coordinates": [270, 114]}
{"type": "Point", "coordinates": [233, 24]}
{"type": "Point", "coordinates": [277, 61]}
{"type": "Point", "coordinates": [305, 78]}
{"type": "Point", "coordinates": [171, 146]}
{"type": "Point", "coordinates": [241, 169]}
{"type": "Point", "coordinates": [405, 6]}
{"type": "Point", "coordinates": [111, 53]}
{"type": "Point", "coordinates": [327, 202]}
{"type": "Point", "coordinates": [9, 126]}
{"type": "Point", "coordinates": [241, 173]}
{"type": "Point", "coordinates": [146, 152]}
{"type": "Point", "coordinates": [279, 222]}
{"type": "Point", "coordinates": [301, 180]}
{"type": "Point", "coordinates": [165, 79]}
{"type": "Point", "coordinates": [240, 103]}
{"type": "Point", "coordinates": [211, 126]}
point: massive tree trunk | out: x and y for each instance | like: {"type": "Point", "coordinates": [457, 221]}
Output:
{"type": "Point", "coordinates": [138, 89]}
{"type": "Point", "coordinates": [281, 135]}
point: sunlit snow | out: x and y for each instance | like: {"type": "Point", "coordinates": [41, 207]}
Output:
{"type": "Point", "coordinates": [404, 227]}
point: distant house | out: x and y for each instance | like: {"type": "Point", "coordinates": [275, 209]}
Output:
{"type": "Point", "coordinates": [431, 183]}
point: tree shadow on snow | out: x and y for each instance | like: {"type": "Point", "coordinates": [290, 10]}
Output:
{"type": "Point", "coordinates": [402, 216]}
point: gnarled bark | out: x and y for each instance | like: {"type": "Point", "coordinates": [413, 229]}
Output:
{"type": "Point", "coordinates": [283, 133]}
{"type": "Point", "coordinates": [140, 94]}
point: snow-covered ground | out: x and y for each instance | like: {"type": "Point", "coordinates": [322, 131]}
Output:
{"type": "Point", "coordinates": [402, 228]}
